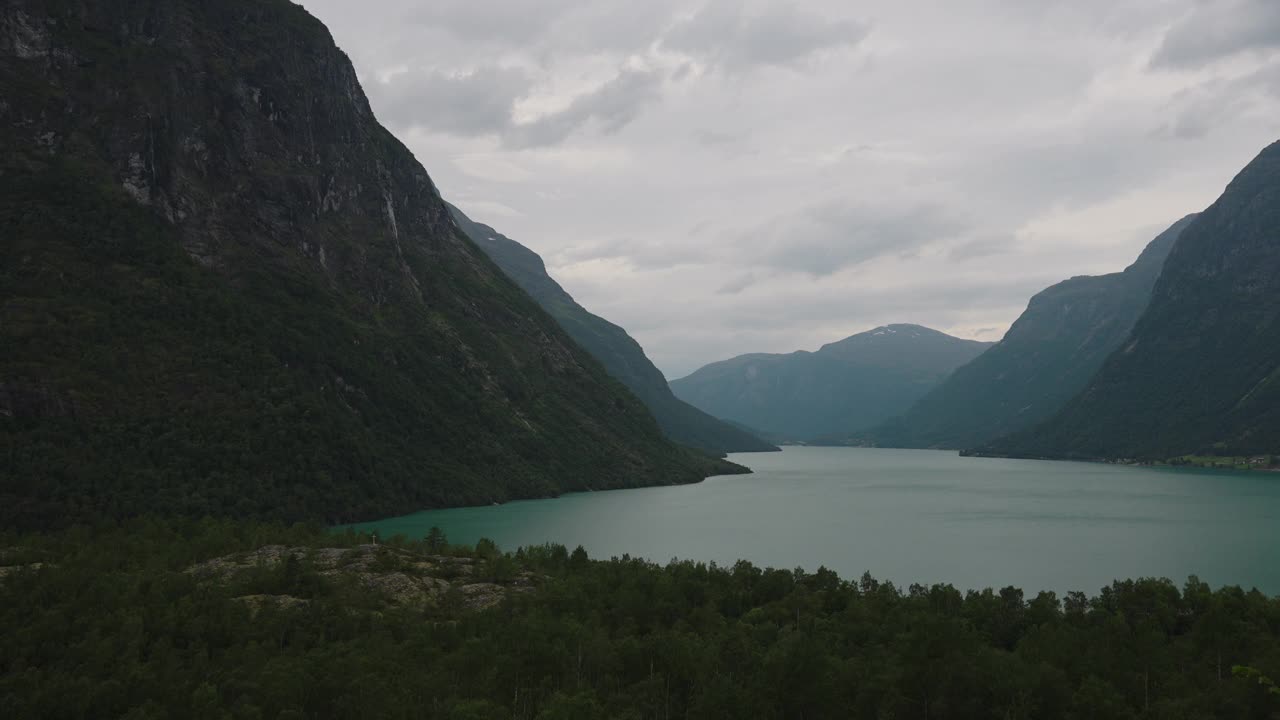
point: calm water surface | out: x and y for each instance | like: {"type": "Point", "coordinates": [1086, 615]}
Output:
{"type": "Point", "coordinates": [918, 516]}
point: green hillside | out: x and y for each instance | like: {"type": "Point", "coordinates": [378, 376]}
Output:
{"type": "Point", "coordinates": [1200, 373]}
{"type": "Point", "coordinates": [620, 354]}
{"type": "Point", "coordinates": [1048, 355]}
{"type": "Point", "coordinates": [225, 288]}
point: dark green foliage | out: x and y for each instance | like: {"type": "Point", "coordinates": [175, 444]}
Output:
{"type": "Point", "coordinates": [110, 626]}
{"type": "Point", "coordinates": [1200, 373]}
{"type": "Point", "coordinates": [1047, 357]}
{"type": "Point", "coordinates": [1251, 674]}
{"type": "Point", "coordinates": [224, 288]}
{"type": "Point", "coordinates": [436, 540]}
{"type": "Point", "coordinates": [620, 354]}
{"type": "Point", "coordinates": [845, 386]}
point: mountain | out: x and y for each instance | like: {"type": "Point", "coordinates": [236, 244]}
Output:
{"type": "Point", "coordinates": [620, 354]}
{"type": "Point", "coordinates": [226, 289]}
{"type": "Point", "coordinates": [845, 386]}
{"type": "Point", "coordinates": [1200, 373]}
{"type": "Point", "coordinates": [1044, 360]}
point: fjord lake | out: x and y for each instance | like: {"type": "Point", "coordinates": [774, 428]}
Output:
{"type": "Point", "coordinates": [916, 516]}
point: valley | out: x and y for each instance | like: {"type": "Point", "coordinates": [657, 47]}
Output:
{"type": "Point", "coordinates": [286, 433]}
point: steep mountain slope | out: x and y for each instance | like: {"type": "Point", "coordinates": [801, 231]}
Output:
{"type": "Point", "coordinates": [225, 288]}
{"type": "Point", "coordinates": [1046, 358]}
{"type": "Point", "coordinates": [1200, 372]}
{"type": "Point", "coordinates": [845, 386]}
{"type": "Point", "coordinates": [620, 354]}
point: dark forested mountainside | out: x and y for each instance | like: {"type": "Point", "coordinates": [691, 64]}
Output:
{"type": "Point", "coordinates": [848, 385]}
{"type": "Point", "coordinates": [1200, 373]}
{"type": "Point", "coordinates": [215, 620]}
{"type": "Point", "coordinates": [1049, 354]}
{"type": "Point", "coordinates": [225, 288]}
{"type": "Point", "coordinates": [620, 354]}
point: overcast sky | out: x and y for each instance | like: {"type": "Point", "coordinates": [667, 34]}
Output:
{"type": "Point", "coordinates": [727, 177]}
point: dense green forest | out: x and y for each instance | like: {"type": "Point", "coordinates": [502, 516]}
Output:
{"type": "Point", "coordinates": [126, 621]}
{"type": "Point", "coordinates": [229, 296]}
{"type": "Point", "coordinates": [135, 381]}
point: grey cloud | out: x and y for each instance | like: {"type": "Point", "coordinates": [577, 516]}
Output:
{"type": "Point", "coordinates": [713, 138]}
{"type": "Point", "coordinates": [818, 241]}
{"type": "Point", "coordinates": [737, 285]}
{"type": "Point", "coordinates": [1217, 30]}
{"type": "Point", "coordinates": [685, 70]}
{"type": "Point", "coordinates": [1199, 116]}
{"type": "Point", "coordinates": [980, 247]}
{"type": "Point", "coordinates": [479, 102]}
{"type": "Point", "coordinates": [857, 305]}
{"type": "Point", "coordinates": [1034, 175]}
{"type": "Point", "coordinates": [482, 102]}
{"type": "Point", "coordinates": [505, 22]}
{"type": "Point", "coordinates": [736, 35]}
{"type": "Point", "coordinates": [830, 237]}
{"type": "Point", "coordinates": [610, 108]}
{"type": "Point", "coordinates": [1197, 112]}
{"type": "Point", "coordinates": [547, 28]}
{"type": "Point", "coordinates": [651, 255]}
{"type": "Point", "coordinates": [611, 26]}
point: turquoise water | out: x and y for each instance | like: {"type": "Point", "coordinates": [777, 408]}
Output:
{"type": "Point", "coordinates": [918, 516]}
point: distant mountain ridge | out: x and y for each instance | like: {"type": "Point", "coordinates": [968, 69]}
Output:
{"type": "Point", "coordinates": [847, 385]}
{"type": "Point", "coordinates": [621, 355]}
{"type": "Point", "coordinates": [1200, 372]}
{"type": "Point", "coordinates": [1048, 356]}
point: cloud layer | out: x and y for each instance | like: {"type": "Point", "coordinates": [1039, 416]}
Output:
{"type": "Point", "coordinates": [723, 177]}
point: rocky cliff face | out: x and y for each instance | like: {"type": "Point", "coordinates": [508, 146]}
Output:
{"type": "Point", "coordinates": [1046, 358]}
{"type": "Point", "coordinates": [225, 288]}
{"type": "Point", "coordinates": [1200, 372]}
{"type": "Point", "coordinates": [620, 354]}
